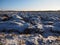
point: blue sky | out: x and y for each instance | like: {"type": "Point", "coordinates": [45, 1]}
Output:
{"type": "Point", "coordinates": [29, 4]}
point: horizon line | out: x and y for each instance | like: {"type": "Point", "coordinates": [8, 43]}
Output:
{"type": "Point", "coordinates": [29, 10]}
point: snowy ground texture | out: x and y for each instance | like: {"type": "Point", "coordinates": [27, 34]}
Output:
{"type": "Point", "coordinates": [30, 28]}
{"type": "Point", "coordinates": [28, 39]}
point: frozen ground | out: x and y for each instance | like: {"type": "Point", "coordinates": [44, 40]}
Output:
{"type": "Point", "coordinates": [28, 39]}
{"type": "Point", "coordinates": [30, 28]}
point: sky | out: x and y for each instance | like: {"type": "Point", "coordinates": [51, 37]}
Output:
{"type": "Point", "coordinates": [29, 5]}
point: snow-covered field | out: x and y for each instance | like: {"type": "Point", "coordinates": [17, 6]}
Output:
{"type": "Point", "coordinates": [28, 39]}
{"type": "Point", "coordinates": [30, 28]}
